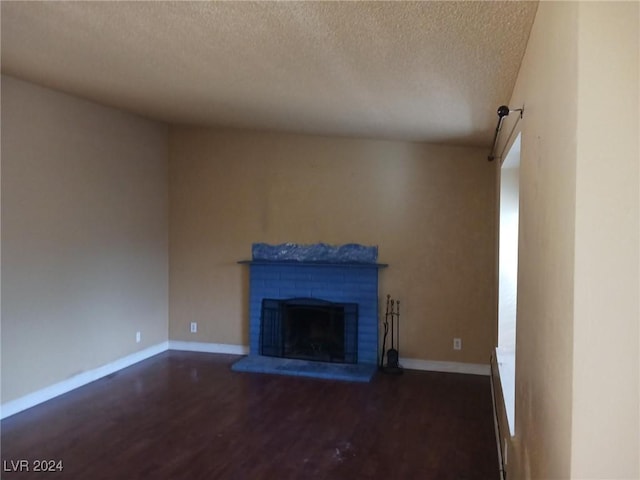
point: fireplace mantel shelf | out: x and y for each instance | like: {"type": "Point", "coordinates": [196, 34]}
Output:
{"type": "Point", "coordinates": [295, 263]}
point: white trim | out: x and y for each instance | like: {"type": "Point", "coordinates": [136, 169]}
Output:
{"type": "Point", "coordinates": [208, 347]}
{"type": "Point", "coordinates": [32, 399]}
{"type": "Point", "coordinates": [506, 360]}
{"type": "Point", "coordinates": [448, 367]}
{"type": "Point", "coordinates": [496, 430]}
{"type": "Point", "coordinates": [19, 404]}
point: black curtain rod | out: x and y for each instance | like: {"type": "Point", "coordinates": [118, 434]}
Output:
{"type": "Point", "coordinates": [503, 111]}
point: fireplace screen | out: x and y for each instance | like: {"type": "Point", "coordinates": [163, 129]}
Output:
{"type": "Point", "coordinates": [309, 329]}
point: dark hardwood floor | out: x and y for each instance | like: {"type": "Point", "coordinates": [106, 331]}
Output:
{"type": "Point", "coordinates": [183, 415]}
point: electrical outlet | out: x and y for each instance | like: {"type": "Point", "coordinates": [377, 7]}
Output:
{"type": "Point", "coordinates": [194, 327]}
{"type": "Point", "coordinates": [138, 337]}
{"type": "Point", "coordinates": [457, 344]}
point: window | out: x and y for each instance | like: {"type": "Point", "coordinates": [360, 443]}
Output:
{"type": "Point", "coordinates": [508, 277]}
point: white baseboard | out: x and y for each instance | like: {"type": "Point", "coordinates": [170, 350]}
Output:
{"type": "Point", "coordinates": [208, 347]}
{"type": "Point", "coordinates": [410, 363]}
{"type": "Point", "coordinates": [447, 367]}
{"type": "Point", "coordinates": [47, 393]}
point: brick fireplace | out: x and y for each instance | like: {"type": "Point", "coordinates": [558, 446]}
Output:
{"type": "Point", "coordinates": [346, 274]}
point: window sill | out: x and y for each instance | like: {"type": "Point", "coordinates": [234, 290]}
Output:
{"type": "Point", "coordinates": [507, 368]}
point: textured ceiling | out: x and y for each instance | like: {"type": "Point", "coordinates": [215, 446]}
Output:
{"type": "Point", "coordinates": [424, 71]}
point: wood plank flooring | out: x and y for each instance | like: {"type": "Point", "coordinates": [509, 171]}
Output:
{"type": "Point", "coordinates": [184, 415]}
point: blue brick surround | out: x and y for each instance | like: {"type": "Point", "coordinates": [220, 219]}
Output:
{"type": "Point", "coordinates": [335, 282]}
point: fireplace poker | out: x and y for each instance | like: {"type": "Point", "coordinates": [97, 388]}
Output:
{"type": "Point", "coordinates": [398, 327]}
{"type": "Point", "coordinates": [386, 332]}
{"type": "Point", "coordinates": [393, 353]}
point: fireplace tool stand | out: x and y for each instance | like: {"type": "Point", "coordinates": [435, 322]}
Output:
{"type": "Point", "coordinates": [392, 315]}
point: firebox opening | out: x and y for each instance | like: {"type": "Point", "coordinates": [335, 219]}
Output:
{"type": "Point", "coordinates": [309, 329]}
{"type": "Point", "coordinates": [314, 333]}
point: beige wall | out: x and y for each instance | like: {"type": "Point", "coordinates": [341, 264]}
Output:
{"type": "Point", "coordinates": [430, 209]}
{"type": "Point", "coordinates": [605, 440]}
{"type": "Point", "coordinates": [577, 334]}
{"type": "Point", "coordinates": [84, 236]}
{"type": "Point", "coordinates": [546, 86]}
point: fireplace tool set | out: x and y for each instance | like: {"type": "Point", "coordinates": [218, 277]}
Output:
{"type": "Point", "coordinates": [392, 315]}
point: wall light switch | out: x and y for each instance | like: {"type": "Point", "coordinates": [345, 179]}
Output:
{"type": "Point", "coordinates": [194, 327]}
{"type": "Point", "coordinates": [457, 344]}
{"type": "Point", "coordinates": [138, 337]}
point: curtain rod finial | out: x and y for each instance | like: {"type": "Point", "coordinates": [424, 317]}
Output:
{"type": "Point", "coordinates": [503, 111]}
